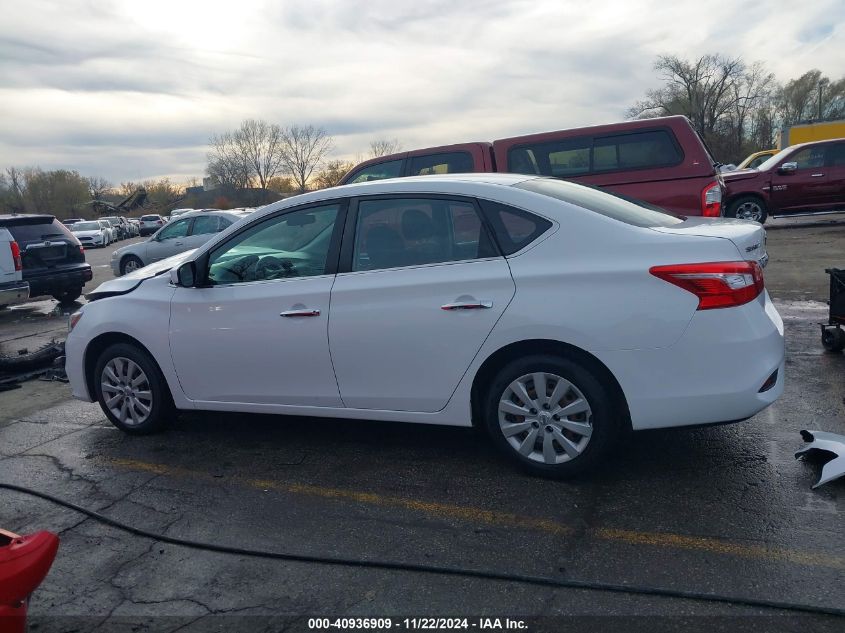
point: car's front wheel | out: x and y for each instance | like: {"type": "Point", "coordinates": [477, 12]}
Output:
{"type": "Point", "coordinates": [129, 264]}
{"type": "Point", "coordinates": [131, 390]}
{"type": "Point", "coordinates": [551, 415]}
{"type": "Point", "coordinates": [68, 296]}
{"type": "Point", "coordinates": [748, 208]}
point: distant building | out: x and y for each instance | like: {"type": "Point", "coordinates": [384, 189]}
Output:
{"type": "Point", "coordinates": [209, 184]}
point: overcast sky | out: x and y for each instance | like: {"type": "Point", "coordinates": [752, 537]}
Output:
{"type": "Point", "coordinates": [130, 90]}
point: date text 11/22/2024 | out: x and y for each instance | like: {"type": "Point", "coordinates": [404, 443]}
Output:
{"type": "Point", "coordinates": [424, 624]}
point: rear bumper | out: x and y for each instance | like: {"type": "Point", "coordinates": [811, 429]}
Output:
{"type": "Point", "coordinates": [58, 280]}
{"type": "Point", "coordinates": [713, 374]}
{"type": "Point", "coordinates": [15, 292]}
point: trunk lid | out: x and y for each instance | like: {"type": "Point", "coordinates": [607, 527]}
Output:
{"type": "Point", "coordinates": [748, 237]}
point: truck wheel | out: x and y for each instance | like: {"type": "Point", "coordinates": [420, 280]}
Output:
{"type": "Point", "coordinates": [68, 296]}
{"type": "Point", "coordinates": [748, 208]}
{"type": "Point", "coordinates": [833, 339]}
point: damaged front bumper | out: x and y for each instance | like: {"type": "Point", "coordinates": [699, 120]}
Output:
{"type": "Point", "coordinates": [820, 441]}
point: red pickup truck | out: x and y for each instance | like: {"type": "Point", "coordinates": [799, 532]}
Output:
{"type": "Point", "coordinates": [805, 178]}
{"type": "Point", "coordinates": [662, 161]}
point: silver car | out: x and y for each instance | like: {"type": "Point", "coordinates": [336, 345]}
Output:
{"type": "Point", "coordinates": [186, 232]}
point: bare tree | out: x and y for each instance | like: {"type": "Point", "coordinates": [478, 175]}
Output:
{"type": "Point", "coordinates": [98, 186]}
{"type": "Point", "coordinates": [259, 144]}
{"type": "Point", "coordinates": [303, 148]}
{"type": "Point", "coordinates": [227, 164]}
{"type": "Point", "coordinates": [383, 147]}
{"type": "Point", "coordinates": [811, 96]}
{"type": "Point", "coordinates": [13, 198]}
{"type": "Point", "coordinates": [332, 173]}
{"type": "Point", "coordinates": [702, 90]}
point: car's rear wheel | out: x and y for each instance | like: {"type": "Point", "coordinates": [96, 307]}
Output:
{"type": "Point", "coordinates": [551, 415]}
{"type": "Point", "coordinates": [748, 208]}
{"type": "Point", "coordinates": [833, 339]}
{"type": "Point", "coordinates": [68, 296]}
{"type": "Point", "coordinates": [129, 264]}
{"type": "Point", "coordinates": [131, 390]}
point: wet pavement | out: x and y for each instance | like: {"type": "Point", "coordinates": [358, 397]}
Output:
{"type": "Point", "coordinates": [723, 510]}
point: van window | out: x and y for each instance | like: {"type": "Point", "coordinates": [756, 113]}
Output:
{"type": "Point", "coordinates": [584, 155]}
{"type": "Point", "coordinates": [449, 163]}
{"type": "Point", "coordinates": [379, 171]}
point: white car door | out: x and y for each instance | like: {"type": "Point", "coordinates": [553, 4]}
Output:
{"type": "Point", "coordinates": [169, 241]}
{"type": "Point", "coordinates": [423, 287]}
{"type": "Point", "coordinates": [256, 332]}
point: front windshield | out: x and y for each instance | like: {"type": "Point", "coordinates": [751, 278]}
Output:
{"type": "Point", "coordinates": [85, 226]}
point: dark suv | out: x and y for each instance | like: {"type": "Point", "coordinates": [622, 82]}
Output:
{"type": "Point", "coordinates": [53, 259]}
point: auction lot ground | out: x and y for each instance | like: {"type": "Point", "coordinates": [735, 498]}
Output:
{"type": "Point", "coordinates": [723, 510]}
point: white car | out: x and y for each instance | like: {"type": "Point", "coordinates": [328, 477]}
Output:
{"type": "Point", "coordinates": [92, 233]}
{"type": "Point", "coordinates": [13, 289]}
{"type": "Point", "coordinates": [551, 314]}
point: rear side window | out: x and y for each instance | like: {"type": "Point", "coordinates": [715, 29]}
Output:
{"type": "Point", "coordinates": [514, 228]}
{"type": "Point", "coordinates": [600, 202]}
{"type": "Point", "coordinates": [449, 163]}
{"type": "Point", "coordinates": [380, 171]}
{"type": "Point", "coordinates": [205, 224]}
{"type": "Point", "coordinates": [580, 156]}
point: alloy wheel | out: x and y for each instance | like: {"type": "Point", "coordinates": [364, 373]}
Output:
{"type": "Point", "coordinates": [749, 211]}
{"type": "Point", "coordinates": [131, 265]}
{"type": "Point", "coordinates": [126, 391]}
{"type": "Point", "coordinates": [545, 418]}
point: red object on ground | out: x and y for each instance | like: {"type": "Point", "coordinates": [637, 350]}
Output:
{"type": "Point", "coordinates": [24, 563]}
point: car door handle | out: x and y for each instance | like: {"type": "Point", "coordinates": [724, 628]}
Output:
{"type": "Point", "coordinates": [468, 305]}
{"type": "Point", "coordinates": [816, 175]}
{"type": "Point", "coordinates": [300, 313]}
{"type": "Point", "coordinates": [177, 243]}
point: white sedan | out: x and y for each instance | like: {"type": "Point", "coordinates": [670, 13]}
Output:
{"type": "Point", "coordinates": [92, 233]}
{"type": "Point", "coordinates": [553, 315]}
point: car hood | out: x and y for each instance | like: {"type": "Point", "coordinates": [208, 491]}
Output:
{"type": "Point", "coordinates": [739, 174]}
{"type": "Point", "coordinates": [130, 281]}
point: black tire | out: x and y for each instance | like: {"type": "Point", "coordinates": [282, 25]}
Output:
{"type": "Point", "coordinates": [68, 296]}
{"type": "Point", "coordinates": [833, 339]}
{"type": "Point", "coordinates": [162, 409]}
{"type": "Point", "coordinates": [126, 260]}
{"type": "Point", "coordinates": [748, 205]}
{"type": "Point", "coordinates": [604, 418]}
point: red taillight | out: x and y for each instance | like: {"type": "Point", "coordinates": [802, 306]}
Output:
{"type": "Point", "coordinates": [717, 285]}
{"type": "Point", "coordinates": [16, 255]}
{"type": "Point", "coordinates": [711, 201]}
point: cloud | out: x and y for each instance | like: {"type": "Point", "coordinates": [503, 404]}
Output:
{"type": "Point", "coordinates": [131, 90]}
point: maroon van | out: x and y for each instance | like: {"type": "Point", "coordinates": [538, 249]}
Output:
{"type": "Point", "coordinates": [662, 161]}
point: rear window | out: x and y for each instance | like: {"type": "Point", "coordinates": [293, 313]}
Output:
{"type": "Point", "coordinates": [37, 230]}
{"type": "Point", "coordinates": [448, 163]}
{"type": "Point", "coordinates": [514, 229]}
{"type": "Point", "coordinates": [149, 218]}
{"type": "Point", "coordinates": [580, 156]}
{"type": "Point", "coordinates": [601, 202]}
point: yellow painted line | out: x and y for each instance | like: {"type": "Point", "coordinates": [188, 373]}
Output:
{"type": "Point", "coordinates": [507, 519]}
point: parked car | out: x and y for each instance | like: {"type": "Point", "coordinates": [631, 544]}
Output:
{"type": "Point", "coordinates": [753, 161]}
{"type": "Point", "coordinates": [135, 226]}
{"type": "Point", "coordinates": [70, 221]}
{"type": "Point", "coordinates": [661, 161]}
{"type": "Point", "coordinates": [188, 231]}
{"type": "Point", "coordinates": [13, 289]}
{"type": "Point", "coordinates": [553, 315]}
{"type": "Point", "coordinates": [805, 178]}
{"type": "Point", "coordinates": [52, 258]}
{"type": "Point", "coordinates": [177, 212]}
{"type": "Point", "coordinates": [121, 230]}
{"type": "Point", "coordinates": [92, 233]}
{"type": "Point", "coordinates": [150, 223]}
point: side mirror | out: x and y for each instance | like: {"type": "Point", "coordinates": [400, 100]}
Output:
{"type": "Point", "coordinates": [185, 275]}
{"type": "Point", "coordinates": [788, 168]}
